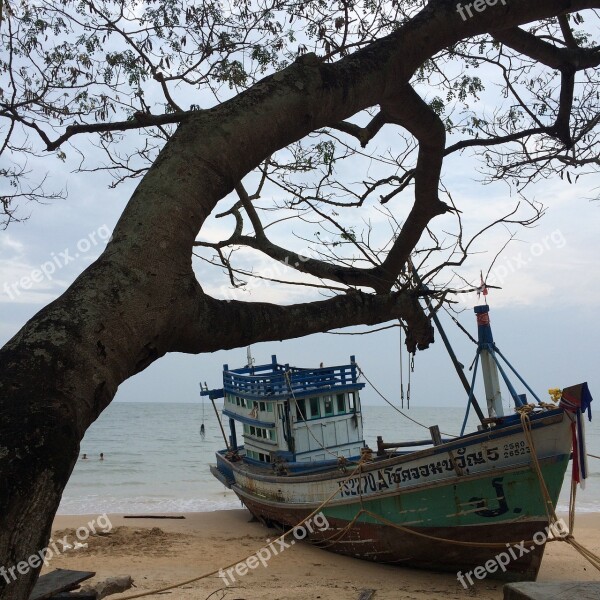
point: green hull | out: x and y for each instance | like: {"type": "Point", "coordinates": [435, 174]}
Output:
{"type": "Point", "coordinates": [480, 500]}
{"type": "Point", "coordinates": [441, 527]}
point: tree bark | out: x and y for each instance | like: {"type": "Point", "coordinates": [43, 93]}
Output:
{"type": "Point", "coordinates": [141, 299]}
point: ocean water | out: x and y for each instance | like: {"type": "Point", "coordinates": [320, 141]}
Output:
{"type": "Point", "coordinates": [156, 460]}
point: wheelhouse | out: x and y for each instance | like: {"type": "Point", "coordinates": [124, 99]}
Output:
{"type": "Point", "coordinates": [292, 415]}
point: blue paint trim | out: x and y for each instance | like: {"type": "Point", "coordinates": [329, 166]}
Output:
{"type": "Point", "coordinates": [509, 385]}
{"type": "Point", "coordinates": [499, 432]}
{"type": "Point", "coordinates": [322, 391]}
{"type": "Point", "coordinates": [484, 332]}
{"type": "Point", "coordinates": [252, 439]}
{"type": "Point", "coordinates": [471, 392]}
{"type": "Point", "coordinates": [276, 380]}
{"type": "Point", "coordinates": [248, 420]}
{"type": "Point", "coordinates": [270, 399]}
{"type": "Point", "coordinates": [213, 394]}
{"type": "Point", "coordinates": [517, 374]}
{"type": "Point", "coordinates": [472, 438]}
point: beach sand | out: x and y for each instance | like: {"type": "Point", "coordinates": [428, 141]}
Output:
{"type": "Point", "coordinates": [161, 552]}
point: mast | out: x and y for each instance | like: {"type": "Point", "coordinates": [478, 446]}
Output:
{"type": "Point", "coordinates": [491, 379]}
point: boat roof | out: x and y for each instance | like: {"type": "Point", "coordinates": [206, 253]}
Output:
{"type": "Point", "coordinates": [275, 381]}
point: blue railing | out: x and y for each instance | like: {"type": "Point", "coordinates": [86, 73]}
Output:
{"type": "Point", "coordinates": [271, 382]}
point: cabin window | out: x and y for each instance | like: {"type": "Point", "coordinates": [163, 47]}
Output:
{"type": "Point", "coordinates": [243, 402]}
{"type": "Point", "coordinates": [314, 408]}
{"type": "Point", "coordinates": [352, 401]}
{"type": "Point", "coordinates": [252, 430]}
{"type": "Point", "coordinates": [237, 401]}
{"type": "Point", "coordinates": [269, 407]}
{"type": "Point", "coordinates": [301, 410]}
{"type": "Point", "coordinates": [341, 403]}
{"type": "Point", "coordinates": [272, 435]}
{"type": "Point", "coordinates": [263, 406]}
{"type": "Point", "coordinates": [328, 405]}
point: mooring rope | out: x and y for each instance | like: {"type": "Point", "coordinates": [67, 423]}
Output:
{"type": "Point", "coordinates": [589, 555]}
{"type": "Point", "coordinates": [233, 564]}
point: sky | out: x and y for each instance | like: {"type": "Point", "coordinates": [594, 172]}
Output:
{"type": "Point", "coordinates": [544, 317]}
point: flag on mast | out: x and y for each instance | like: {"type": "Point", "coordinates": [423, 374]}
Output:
{"type": "Point", "coordinates": [482, 289]}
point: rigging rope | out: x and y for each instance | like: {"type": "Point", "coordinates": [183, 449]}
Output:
{"type": "Point", "coordinates": [401, 372]}
{"type": "Point", "coordinates": [465, 331]}
{"type": "Point", "coordinates": [394, 406]}
{"type": "Point", "coordinates": [549, 507]}
{"type": "Point", "coordinates": [411, 369]}
{"type": "Point", "coordinates": [233, 564]}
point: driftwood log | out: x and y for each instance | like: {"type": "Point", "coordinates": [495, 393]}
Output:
{"type": "Point", "coordinates": [112, 585]}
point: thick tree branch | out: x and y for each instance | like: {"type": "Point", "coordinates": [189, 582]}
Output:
{"type": "Point", "coordinates": [558, 58]}
{"type": "Point", "coordinates": [411, 112]}
{"type": "Point", "coordinates": [363, 134]}
{"type": "Point", "coordinates": [562, 129]}
{"type": "Point", "coordinates": [496, 141]}
{"type": "Point", "coordinates": [139, 121]}
{"type": "Point", "coordinates": [567, 32]}
{"type": "Point", "coordinates": [243, 323]}
{"type": "Point", "coordinates": [140, 299]}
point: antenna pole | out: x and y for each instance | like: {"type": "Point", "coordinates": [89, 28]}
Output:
{"type": "Point", "coordinates": [250, 360]}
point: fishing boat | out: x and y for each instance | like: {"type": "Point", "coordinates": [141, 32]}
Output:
{"type": "Point", "coordinates": [448, 504]}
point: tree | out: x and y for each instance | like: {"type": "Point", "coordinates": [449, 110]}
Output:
{"type": "Point", "coordinates": [71, 69]}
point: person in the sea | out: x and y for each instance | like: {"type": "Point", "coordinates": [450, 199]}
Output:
{"type": "Point", "coordinates": [101, 455]}
{"type": "Point", "coordinates": [84, 457]}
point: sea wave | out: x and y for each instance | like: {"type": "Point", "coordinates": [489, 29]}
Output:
{"type": "Point", "coordinates": [87, 505]}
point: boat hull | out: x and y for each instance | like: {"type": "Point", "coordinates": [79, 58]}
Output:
{"type": "Point", "coordinates": [430, 509]}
